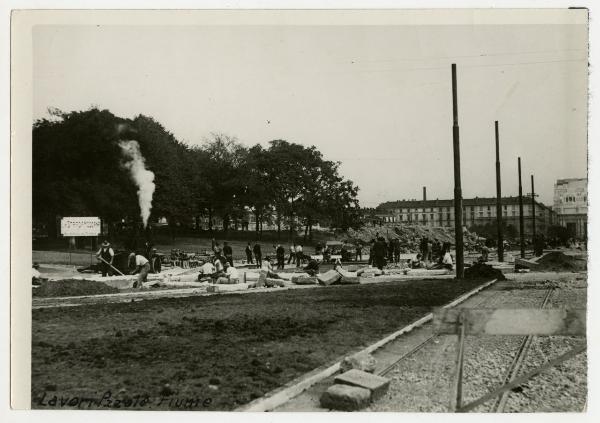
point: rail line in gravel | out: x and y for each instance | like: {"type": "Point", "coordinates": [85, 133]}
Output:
{"type": "Point", "coordinates": [427, 367]}
{"type": "Point", "coordinates": [517, 363]}
{"type": "Point", "coordinates": [424, 343]}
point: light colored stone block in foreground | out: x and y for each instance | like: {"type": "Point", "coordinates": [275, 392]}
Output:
{"type": "Point", "coordinates": [360, 361]}
{"type": "Point", "coordinates": [376, 384]}
{"type": "Point", "coordinates": [345, 398]}
{"type": "Point", "coordinates": [302, 280]}
{"type": "Point", "coordinates": [227, 287]}
{"type": "Point", "coordinates": [329, 277]}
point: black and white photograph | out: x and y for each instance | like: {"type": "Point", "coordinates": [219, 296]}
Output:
{"type": "Point", "coordinates": [303, 210]}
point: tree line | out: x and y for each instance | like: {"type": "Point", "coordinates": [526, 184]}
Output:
{"type": "Point", "coordinates": [77, 171]}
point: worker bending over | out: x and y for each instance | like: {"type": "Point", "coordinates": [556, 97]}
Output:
{"type": "Point", "coordinates": [142, 268]}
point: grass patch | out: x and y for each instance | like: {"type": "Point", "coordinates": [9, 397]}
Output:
{"type": "Point", "coordinates": [222, 350]}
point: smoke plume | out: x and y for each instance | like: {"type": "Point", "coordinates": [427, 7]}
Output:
{"type": "Point", "coordinates": [142, 177]}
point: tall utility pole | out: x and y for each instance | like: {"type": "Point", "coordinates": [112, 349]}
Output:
{"type": "Point", "coordinates": [533, 208]}
{"type": "Point", "coordinates": [521, 223]}
{"type": "Point", "coordinates": [458, 231]}
{"type": "Point", "coordinates": [499, 199]}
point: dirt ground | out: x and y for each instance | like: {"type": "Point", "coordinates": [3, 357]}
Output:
{"type": "Point", "coordinates": [212, 353]}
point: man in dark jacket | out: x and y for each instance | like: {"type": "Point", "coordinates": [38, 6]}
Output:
{"type": "Point", "coordinates": [228, 253]}
{"type": "Point", "coordinates": [280, 254]}
{"type": "Point", "coordinates": [249, 254]}
{"type": "Point", "coordinates": [257, 255]}
{"type": "Point", "coordinates": [379, 253]}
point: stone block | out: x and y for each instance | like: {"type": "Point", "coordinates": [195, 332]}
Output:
{"type": "Point", "coordinates": [329, 277]}
{"type": "Point", "coordinates": [352, 280]}
{"type": "Point", "coordinates": [262, 277]}
{"type": "Point", "coordinates": [212, 288]}
{"type": "Point", "coordinates": [270, 282]}
{"type": "Point", "coordinates": [345, 398]}
{"type": "Point", "coordinates": [304, 280]}
{"type": "Point", "coordinates": [376, 384]}
{"type": "Point", "coordinates": [360, 361]}
{"type": "Point", "coordinates": [346, 273]}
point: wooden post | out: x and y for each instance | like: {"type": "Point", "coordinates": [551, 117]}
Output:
{"type": "Point", "coordinates": [456, 400]}
{"type": "Point", "coordinates": [521, 222]}
{"type": "Point", "coordinates": [533, 210]}
{"type": "Point", "coordinates": [499, 199]}
{"type": "Point", "coordinates": [458, 231]}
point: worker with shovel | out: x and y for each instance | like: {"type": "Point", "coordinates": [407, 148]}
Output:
{"type": "Point", "coordinates": [106, 256]}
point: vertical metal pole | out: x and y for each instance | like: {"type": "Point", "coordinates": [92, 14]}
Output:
{"type": "Point", "coordinates": [521, 224]}
{"type": "Point", "coordinates": [533, 208]}
{"type": "Point", "coordinates": [458, 231]}
{"type": "Point", "coordinates": [499, 199]}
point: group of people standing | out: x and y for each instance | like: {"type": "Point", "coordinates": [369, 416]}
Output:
{"type": "Point", "coordinates": [383, 252]}
{"type": "Point", "coordinates": [254, 255]}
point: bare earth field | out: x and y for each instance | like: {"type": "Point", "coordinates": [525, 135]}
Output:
{"type": "Point", "coordinates": [213, 353]}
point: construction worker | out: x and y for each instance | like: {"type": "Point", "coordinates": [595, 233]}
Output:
{"type": "Point", "coordinates": [228, 253]}
{"type": "Point", "coordinates": [232, 274]}
{"type": "Point", "coordinates": [292, 258]}
{"type": "Point", "coordinates": [390, 250]}
{"type": "Point", "coordinates": [396, 243]}
{"type": "Point", "coordinates": [280, 254]}
{"type": "Point", "coordinates": [249, 254]}
{"type": "Point", "coordinates": [257, 255]}
{"type": "Point", "coordinates": [142, 268]}
{"type": "Point", "coordinates": [359, 252]}
{"type": "Point", "coordinates": [299, 255]}
{"type": "Point", "coordinates": [379, 253]}
{"type": "Point", "coordinates": [107, 255]}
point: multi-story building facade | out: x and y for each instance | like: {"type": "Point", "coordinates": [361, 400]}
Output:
{"type": "Point", "coordinates": [570, 205]}
{"type": "Point", "coordinates": [476, 212]}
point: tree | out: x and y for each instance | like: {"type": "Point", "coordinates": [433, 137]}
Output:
{"type": "Point", "coordinates": [76, 168]}
{"type": "Point", "coordinates": [223, 179]}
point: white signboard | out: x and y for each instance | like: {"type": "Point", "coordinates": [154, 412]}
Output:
{"type": "Point", "coordinates": [80, 226]}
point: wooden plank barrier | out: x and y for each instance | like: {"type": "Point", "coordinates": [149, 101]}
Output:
{"type": "Point", "coordinates": [544, 322]}
{"type": "Point", "coordinates": [519, 322]}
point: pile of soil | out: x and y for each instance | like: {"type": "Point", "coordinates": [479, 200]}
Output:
{"type": "Point", "coordinates": [72, 288]}
{"type": "Point", "coordinates": [410, 235]}
{"type": "Point", "coordinates": [556, 261]}
{"type": "Point", "coordinates": [482, 270]}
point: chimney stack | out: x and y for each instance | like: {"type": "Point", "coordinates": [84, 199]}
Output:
{"type": "Point", "coordinates": [424, 193]}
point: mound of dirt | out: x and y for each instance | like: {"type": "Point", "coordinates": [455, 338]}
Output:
{"type": "Point", "coordinates": [482, 270]}
{"type": "Point", "coordinates": [556, 261]}
{"type": "Point", "coordinates": [72, 288]}
{"type": "Point", "coordinates": [409, 235]}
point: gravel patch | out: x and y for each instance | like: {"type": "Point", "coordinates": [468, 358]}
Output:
{"type": "Point", "coordinates": [422, 382]}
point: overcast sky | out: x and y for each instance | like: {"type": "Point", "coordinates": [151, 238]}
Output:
{"type": "Point", "coordinates": [376, 98]}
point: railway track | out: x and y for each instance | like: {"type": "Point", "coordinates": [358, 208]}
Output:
{"type": "Point", "coordinates": [517, 364]}
{"type": "Point", "coordinates": [430, 339]}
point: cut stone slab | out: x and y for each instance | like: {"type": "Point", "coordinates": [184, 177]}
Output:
{"type": "Point", "coordinates": [304, 280]}
{"type": "Point", "coordinates": [345, 398]}
{"type": "Point", "coordinates": [262, 277]}
{"type": "Point", "coordinates": [329, 277]}
{"type": "Point", "coordinates": [271, 282]}
{"type": "Point", "coordinates": [376, 384]}
{"type": "Point", "coordinates": [350, 280]}
{"type": "Point", "coordinates": [360, 361]}
{"type": "Point", "coordinates": [346, 273]}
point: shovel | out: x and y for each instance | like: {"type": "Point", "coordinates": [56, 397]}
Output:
{"type": "Point", "coordinates": [113, 267]}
